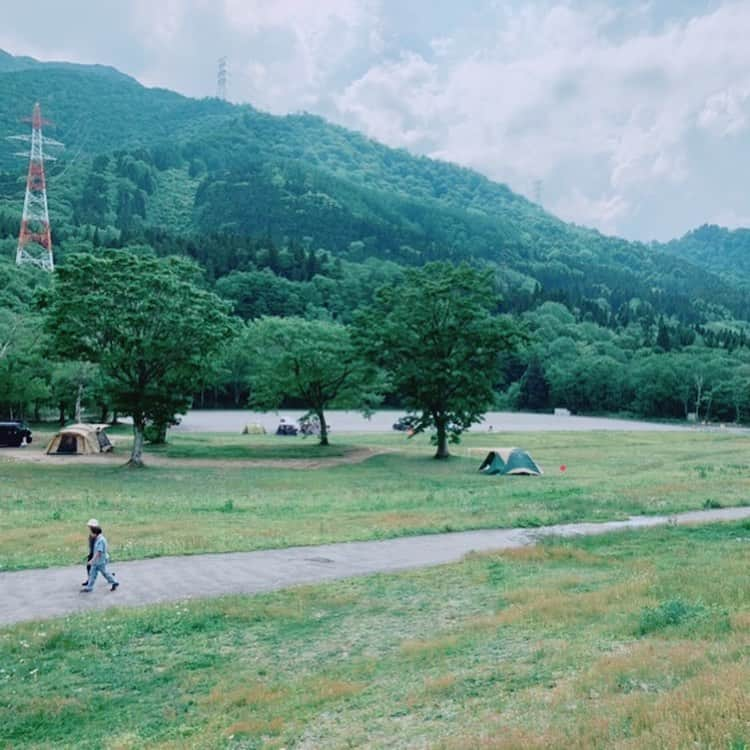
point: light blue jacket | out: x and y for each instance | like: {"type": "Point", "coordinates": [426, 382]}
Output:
{"type": "Point", "coordinates": [102, 548]}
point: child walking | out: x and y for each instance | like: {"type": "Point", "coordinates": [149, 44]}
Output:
{"type": "Point", "coordinates": [99, 560]}
{"type": "Point", "coordinates": [93, 523]}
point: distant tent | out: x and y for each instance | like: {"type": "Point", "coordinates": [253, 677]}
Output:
{"type": "Point", "coordinates": [80, 438]}
{"type": "Point", "coordinates": [509, 461]}
{"type": "Point", "coordinates": [253, 429]}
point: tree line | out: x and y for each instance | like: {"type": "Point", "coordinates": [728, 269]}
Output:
{"type": "Point", "coordinates": [151, 332]}
{"type": "Point", "coordinates": [153, 337]}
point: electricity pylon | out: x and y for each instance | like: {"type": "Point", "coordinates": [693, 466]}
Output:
{"type": "Point", "coordinates": [35, 238]}
{"type": "Point", "coordinates": [221, 79]}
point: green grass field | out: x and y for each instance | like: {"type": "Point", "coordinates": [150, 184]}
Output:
{"type": "Point", "coordinates": [185, 509]}
{"type": "Point", "coordinates": [636, 640]}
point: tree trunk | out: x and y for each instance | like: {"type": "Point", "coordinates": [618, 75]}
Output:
{"type": "Point", "coordinates": [136, 457]}
{"type": "Point", "coordinates": [323, 428]}
{"type": "Point", "coordinates": [698, 380]}
{"type": "Point", "coordinates": [78, 403]}
{"type": "Point", "coordinates": [114, 419]}
{"type": "Point", "coordinates": [61, 406]}
{"type": "Point", "coordinates": [442, 438]}
{"type": "Point", "coordinates": [161, 433]}
{"type": "Point", "coordinates": [104, 413]}
{"type": "Point", "coordinates": [37, 412]}
{"type": "Point", "coordinates": [709, 400]}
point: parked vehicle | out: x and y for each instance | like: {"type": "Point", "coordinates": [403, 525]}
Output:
{"type": "Point", "coordinates": [286, 429]}
{"type": "Point", "coordinates": [404, 424]}
{"type": "Point", "coordinates": [309, 426]}
{"type": "Point", "coordinates": [14, 434]}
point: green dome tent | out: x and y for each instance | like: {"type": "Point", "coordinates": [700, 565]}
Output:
{"type": "Point", "coordinates": [509, 461]}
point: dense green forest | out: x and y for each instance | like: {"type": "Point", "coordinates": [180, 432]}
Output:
{"type": "Point", "coordinates": [295, 216]}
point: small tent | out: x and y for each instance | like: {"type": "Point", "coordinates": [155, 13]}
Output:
{"type": "Point", "coordinates": [509, 461]}
{"type": "Point", "coordinates": [80, 438]}
{"type": "Point", "coordinates": [253, 428]}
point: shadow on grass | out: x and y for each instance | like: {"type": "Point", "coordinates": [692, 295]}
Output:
{"type": "Point", "coordinates": [233, 448]}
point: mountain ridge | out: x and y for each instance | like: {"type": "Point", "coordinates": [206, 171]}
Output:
{"type": "Point", "coordinates": [15, 63]}
{"type": "Point", "coordinates": [234, 170]}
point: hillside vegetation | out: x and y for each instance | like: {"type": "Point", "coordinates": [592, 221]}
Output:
{"type": "Point", "coordinates": [295, 216]}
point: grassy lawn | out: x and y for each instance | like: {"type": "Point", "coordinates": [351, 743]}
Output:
{"type": "Point", "coordinates": [189, 509]}
{"type": "Point", "coordinates": [208, 446]}
{"type": "Point", "coordinates": [635, 640]}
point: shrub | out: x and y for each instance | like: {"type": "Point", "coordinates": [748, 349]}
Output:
{"type": "Point", "coordinates": [671, 612]}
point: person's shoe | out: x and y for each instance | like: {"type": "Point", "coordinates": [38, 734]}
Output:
{"type": "Point", "coordinates": [85, 583]}
{"type": "Point", "coordinates": [114, 586]}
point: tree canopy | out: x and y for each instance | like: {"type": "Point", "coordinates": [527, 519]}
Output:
{"type": "Point", "coordinates": [439, 341]}
{"type": "Point", "coordinates": [313, 361]}
{"type": "Point", "coordinates": [148, 325]}
{"type": "Point", "coordinates": [293, 216]}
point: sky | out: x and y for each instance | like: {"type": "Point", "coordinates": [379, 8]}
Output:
{"type": "Point", "coordinates": [631, 116]}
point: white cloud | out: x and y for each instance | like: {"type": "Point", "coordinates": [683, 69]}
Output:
{"type": "Point", "coordinates": [159, 28]}
{"type": "Point", "coordinates": [726, 112]}
{"type": "Point", "coordinates": [552, 88]}
{"type": "Point", "coordinates": [730, 218]}
{"type": "Point", "coordinates": [636, 115]}
{"type": "Point", "coordinates": [604, 211]}
{"type": "Point", "coordinates": [313, 40]}
{"type": "Point", "coordinates": [377, 99]}
{"type": "Point", "coordinates": [442, 46]}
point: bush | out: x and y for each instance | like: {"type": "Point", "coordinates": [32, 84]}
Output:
{"type": "Point", "coordinates": [671, 612]}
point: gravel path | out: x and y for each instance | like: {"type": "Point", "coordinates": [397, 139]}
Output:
{"type": "Point", "coordinates": [39, 594]}
{"type": "Point", "coordinates": [356, 456]}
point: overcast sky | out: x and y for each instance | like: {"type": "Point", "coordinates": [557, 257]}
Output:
{"type": "Point", "coordinates": [634, 116]}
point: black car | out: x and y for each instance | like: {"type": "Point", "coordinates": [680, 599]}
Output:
{"type": "Point", "coordinates": [404, 424]}
{"type": "Point", "coordinates": [286, 429]}
{"type": "Point", "coordinates": [14, 433]}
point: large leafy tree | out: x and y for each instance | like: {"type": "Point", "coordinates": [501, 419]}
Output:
{"type": "Point", "coordinates": [438, 338]}
{"type": "Point", "coordinates": [24, 370]}
{"type": "Point", "coordinates": [310, 360]}
{"type": "Point", "coordinates": [146, 322]}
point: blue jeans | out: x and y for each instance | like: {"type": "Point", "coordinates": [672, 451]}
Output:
{"type": "Point", "coordinates": [95, 570]}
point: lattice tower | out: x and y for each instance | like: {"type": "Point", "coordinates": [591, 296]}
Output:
{"type": "Point", "coordinates": [222, 76]}
{"type": "Point", "coordinates": [35, 238]}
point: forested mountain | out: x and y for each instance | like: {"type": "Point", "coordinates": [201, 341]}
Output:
{"type": "Point", "coordinates": [720, 251]}
{"type": "Point", "coordinates": [293, 215]}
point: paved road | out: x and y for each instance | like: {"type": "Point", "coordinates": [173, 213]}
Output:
{"type": "Point", "coordinates": [218, 420]}
{"type": "Point", "coordinates": [39, 594]}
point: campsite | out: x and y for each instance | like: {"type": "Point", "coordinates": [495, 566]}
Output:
{"type": "Point", "coordinates": [79, 440]}
{"type": "Point", "coordinates": [620, 604]}
{"type": "Point", "coordinates": [374, 375]}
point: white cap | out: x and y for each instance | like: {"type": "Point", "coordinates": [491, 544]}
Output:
{"type": "Point", "coordinates": [92, 522]}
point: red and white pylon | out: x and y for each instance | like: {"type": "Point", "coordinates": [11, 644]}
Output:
{"type": "Point", "coordinates": [35, 239]}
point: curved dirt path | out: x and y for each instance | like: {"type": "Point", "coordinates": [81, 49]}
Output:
{"type": "Point", "coordinates": [356, 456]}
{"type": "Point", "coordinates": [39, 594]}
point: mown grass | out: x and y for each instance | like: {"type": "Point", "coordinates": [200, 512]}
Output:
{"type": "Point", "coordinates": [222, 447]}
{"type": "Point", "coordinates": [532, 648]}
{"type": "Point", "coordinates": [183, 509]}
